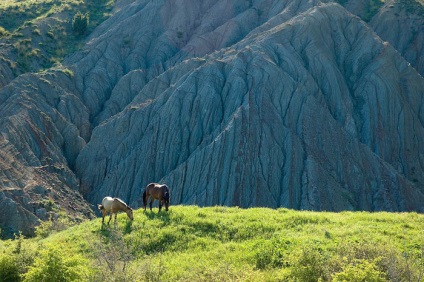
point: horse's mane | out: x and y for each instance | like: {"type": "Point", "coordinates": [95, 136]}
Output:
{"type": "Point", "coordinates": [122, 202]}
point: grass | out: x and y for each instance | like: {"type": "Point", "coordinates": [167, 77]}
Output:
{"type": "Point", "coordinates": [372, 8]}
{"type": "Point", "coordinates": [48, 25]}
{"type": "Point", "coordinates": [230, 244]}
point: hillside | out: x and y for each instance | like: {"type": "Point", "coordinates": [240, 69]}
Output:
{"type": "Point", "coordinates": [189, 243]}
{"type": "Point", "coordinates": [35, 35]}
{"type": "Point", "coordinates": [313, 105]}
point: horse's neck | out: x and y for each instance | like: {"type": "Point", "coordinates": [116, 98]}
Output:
{"type": "Point", "coordinates": [165, 189]}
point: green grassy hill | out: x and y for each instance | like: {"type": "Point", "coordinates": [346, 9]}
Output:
{"type": "Point", "coordinates": [189, 243]}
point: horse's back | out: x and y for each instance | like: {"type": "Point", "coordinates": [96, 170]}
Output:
{"type": "Point", "coordinates": [156, 186]}
{"type": "Point", "coordinates": [156, 190]}
{"type": "Point", "coordinates": [151, 186]}
{"type": "Point", "coordinates": [107, 203]}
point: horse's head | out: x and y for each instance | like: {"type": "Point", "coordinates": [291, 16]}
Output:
{"type": "Point", "coordinates": [129, 212]}
{"type": "Point", "coordinates": [166, 199]}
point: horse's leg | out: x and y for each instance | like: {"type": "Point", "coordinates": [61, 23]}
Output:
{"type": "Point", "coordinates": [104, 213]}
{"type": "Point", "coordinates": [151, 203]}
{"type": "Point", "coordinates": [110, 217]}
{"type": "Point", "coordinates": [116, 214]}
{"type": "Point", "coordinates": [160, 205]}
{"type": "Point", "coordinates": [144, 199]}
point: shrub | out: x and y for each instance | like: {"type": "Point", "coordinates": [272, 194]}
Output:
{"type": "Point", "coordinates": [311, 265]}
{"type": "Point", "coordinates": [271, 253]}
{"type": "Point", "coordinates": [48, 227]}
{"type": "Point", "coordinates": [360, 271]}
{"type": "Point", "coordinates": [54, 265]}
{"type": "Point", "coordinates": [396, 265]}
{"type": "Point", "coordinates": [80, 23]}
{"type": "Point", "coordinates": [9, 269]}
{"type": "Point", "coordinates": [44, 229]}
{"type": "Point", "coordinates": [113, 256]}
{"type": "Point", "coordinates": [16, 259]}
{"type": "Point", "coordinates": [3, 31]}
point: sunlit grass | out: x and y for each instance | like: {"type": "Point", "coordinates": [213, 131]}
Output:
{"type": "Point", "coordinates": [190, 243]}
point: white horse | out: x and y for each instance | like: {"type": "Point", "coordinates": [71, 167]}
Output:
{"type": "Point", "coordinates": [113, 206]}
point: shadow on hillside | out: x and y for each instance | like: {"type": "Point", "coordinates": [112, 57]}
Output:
{"type": "Point", "coordinates": [128, 227]}
{"type": "Point", "coordinates": [163, 216]}
{"type": "Point", "coordinates": [107, 229]}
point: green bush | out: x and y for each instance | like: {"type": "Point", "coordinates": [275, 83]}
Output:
{"type": "Point", "coordinates": [16, 258]}
{"type": "Point", "coordinates": [271, 253]}
{"type": "Point", "coordinates": [48, 227]}
{"type": "Point", "coordinates": [3, 31]}
{"type": "Point", "coordinates": [80, 23]}
{"type": "Point", "coordinates": [56, 265]}
{"type": "Point", "coordinates": [360, 271]}
{"type": "Point", "coordinates": [311, 265]}
{"type": "Point", "coordinates": [9, 269]}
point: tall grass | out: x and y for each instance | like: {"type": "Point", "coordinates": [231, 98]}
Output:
{"type": "Point", "coordinates": [189, 243]}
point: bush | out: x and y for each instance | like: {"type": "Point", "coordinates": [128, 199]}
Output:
{"type": "Point", "coordinates": [16, 258]}
{"type": "Point", "coordinates": [48, 227]}
{"type": "Point", "coordinates": [271, 253]}
{"type": "Point", "coordinates": [360, 271]}
{"type": "Point", "coordinates": [80, 23]}
{"type": "Point", "coordinates": [3, 31]}
{"type": "Point", "coordinates": [114, 257]}
{"type": "Point", "coordinates": [311, 265]}
{"type": "Point", "coordinates": [54, 265]}
{"type": "Point", "coordinates": [9, 269]}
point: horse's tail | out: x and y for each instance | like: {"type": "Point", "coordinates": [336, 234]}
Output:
{"type": "Point", "coordinates": [145, 198]}
{"type": "Point", "coordinates": [101, 207]}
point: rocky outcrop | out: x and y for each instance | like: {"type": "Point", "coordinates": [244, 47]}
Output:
{"type": "Point", "coordinates": [6, 63]}
{"type": "Point", "coordinates": [284, 103]}
{"type": "Point", "coordinates": [41, 124]}
{"type": "Point", "coordinates": [278, 119]}
{"type": "Point", "coordinates": [401, 23]}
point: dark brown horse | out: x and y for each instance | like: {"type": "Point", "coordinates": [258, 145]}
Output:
{"type": "Point", "coordinates": [159, 192]}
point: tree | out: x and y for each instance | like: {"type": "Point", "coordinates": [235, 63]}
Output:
{"type": "Point", "coordinates": [80, 23]}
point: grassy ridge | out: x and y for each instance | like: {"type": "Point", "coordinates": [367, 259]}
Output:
{"type": "Point", "coordinates": [41, 33]}
{"type": "Point", "coordinates": [230, 244]}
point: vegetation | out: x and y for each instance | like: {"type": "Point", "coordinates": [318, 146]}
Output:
{"type": "Point", "coordinates": [371, 8]}
{"type": "Point", "coordinates": [189, 243]}
{"type": "Point", "coordinates": [80, 23]}
{"type": "Point", "coordinates": [43, 32]}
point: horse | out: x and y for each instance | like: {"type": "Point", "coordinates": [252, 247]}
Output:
{"type": "Point", "coordinates": [113, 206]}
{"type": "Point", "coordinates": [156, 191]}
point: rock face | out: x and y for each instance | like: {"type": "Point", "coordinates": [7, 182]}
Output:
{"type": "Point", "coordinates": [258, 103]}
{"type": "Point", "coordinates": [405, 20]}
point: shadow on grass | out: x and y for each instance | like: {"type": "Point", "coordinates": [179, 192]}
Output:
{"type": "Point", "coordinates": [107, 229]}
{"type": "Point", "coordinates": [128, 227]}
{"type": "Point", "coordinates": [163, 216]}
